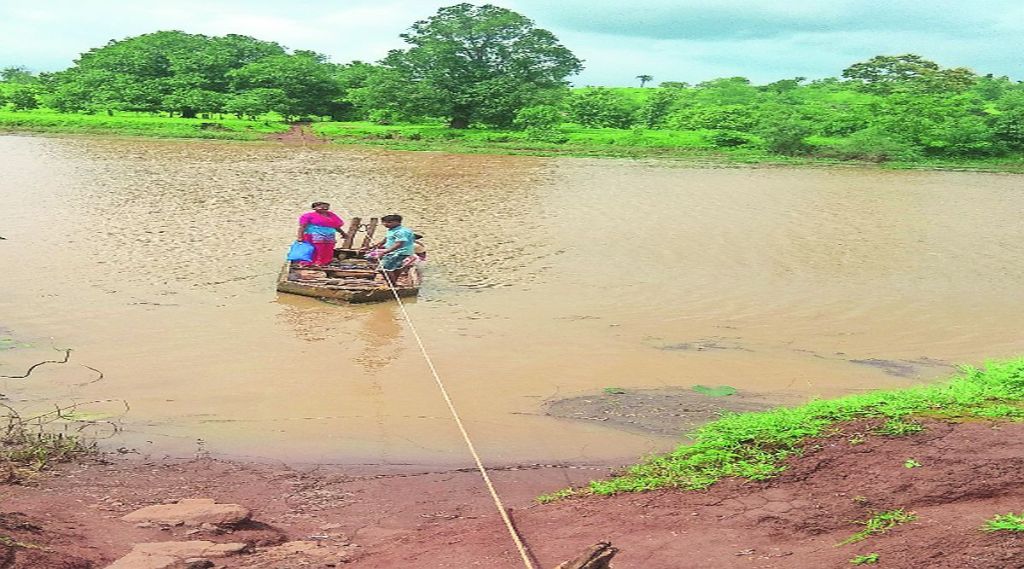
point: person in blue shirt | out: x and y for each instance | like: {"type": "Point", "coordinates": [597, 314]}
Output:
{"type": "Point", "coordinates": [399, 244]}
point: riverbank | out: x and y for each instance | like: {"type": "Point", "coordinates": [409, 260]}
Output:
{"type": "Point", "coordinates": [692, 147]}
{"type": "Point", "coordinates": [383, 517]}
{"type": "Point", "coordinates": [123, 124]}
{"type": "Point", "coordinates": [905, 478]}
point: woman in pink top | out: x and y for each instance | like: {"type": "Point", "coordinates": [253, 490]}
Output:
{"type": "Point", "coordinates": [319, 227]}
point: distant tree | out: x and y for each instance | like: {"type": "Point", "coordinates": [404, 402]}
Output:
{"type": "Point", "coordinates": [546, 117]}
{"type": "Point", "coordinates": [1008, 128]}
{"type": "Point", "coordinates": [479, 63]}
{"type": "Point", "coordinates": [644, 79]}
{"type": "Point", "coordinates": [163, 71]}
{"type": "Point", "coordinates": [784, 85]}
{"type": "Point", "coordinates": [540, 123]}
{"type": "Point", "coordinates": [991, 88]}
{"type": "Point", "coordinates": [599, 107]}
{"type": "Point", "coordinates": [674, 84]}
{"type": "Point", "coordinates": [255, 102]}
{"type": "Point", "coordinates": [24, 98]}
{"type": "Point", "coordinates": [352, 79]}
{"type": "Point", "coordinates": [17, 74]}
{"type": "Point", "coordinates": [939, 125]}
{"type": "Point", "coordinates": [308, 82]}
{"type": "Point", "coordinates": [787, 136]}
{"type": "Point", "coordinates": [727, 91]}
{"type": "Point", "coordinates": [739, 118]}
{"type": "Point", "coordinates": [656, 108]}
{"type": "Point", "coordinates": [190, 101]}
{"type": "Point", "coordinates": [884, 74]}
{"type": "Point", "coordinates": [386, 94]}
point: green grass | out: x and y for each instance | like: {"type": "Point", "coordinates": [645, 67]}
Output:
{"type": "Point", "coordinates": [879, 524]}
{"type": "Point", "coordinates": [577, 141]}
{"type": "Point", "coordinates": [868, 559]}
{"type": "Point", "coordinates": [1005, 522]}
{"type": "Point", "coordinates": [137, 124]}
{"type": "Point", "coordinates": [28, 446]}
{"type": "Point", "coordinates": [572, 140]}
{"type": "Point", "coordinates": [899, 427]}
{"type": "Point", "coordinates": [755, 445]}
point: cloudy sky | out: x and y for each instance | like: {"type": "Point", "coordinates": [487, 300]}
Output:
{"type": "Point", "coordinates": [680, 40]}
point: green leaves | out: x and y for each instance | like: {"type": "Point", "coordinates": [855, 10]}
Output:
{"type": "Point", "coordinates": [479, 63]}
{"type": "Point", "coordinates": [1005, 522]}
{"type": "Point", "coordinates": [880, 523]}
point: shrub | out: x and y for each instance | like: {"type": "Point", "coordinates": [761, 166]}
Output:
{"type": "Point", "coordinates": [541, 117]}
{"type": "Point", "coordinates": [728, 138]}
{"type": "Point", "coordinates": [383, 116]}
{"type": "Point", "coordinates": [788, 137]}
{"type": "Point", "coordinates": [871, 145]}
{"type": "Point", "coordinates": [546, 135]}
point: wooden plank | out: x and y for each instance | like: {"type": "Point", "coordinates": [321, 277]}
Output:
{"type": "Point", "coordinates": [597, 556]}
{"type": "Point", "coordinates": [350, 233]}
{"type": "Point", "coordinates": [370, 228]}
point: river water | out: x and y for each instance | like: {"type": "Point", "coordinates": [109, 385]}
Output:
{"type": "Point", "coordinates": [155, 262]}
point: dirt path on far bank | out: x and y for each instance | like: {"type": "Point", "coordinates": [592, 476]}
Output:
{"type": "Point", "coordinates": [299, 133]}
{"type": "Point", "coordinates": [417, 517]}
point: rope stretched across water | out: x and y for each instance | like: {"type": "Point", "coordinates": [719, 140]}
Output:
{"type": "Point", "coordinates": [462, 429]}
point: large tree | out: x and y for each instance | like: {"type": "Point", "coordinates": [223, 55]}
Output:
{"type": "Point", "coordinates": [885, 74]}
{"type": "Point", "coordinates": [479, 64]}
{"type": "Point", "coordinates": [163, 71]}
{"type": "Point", "coordinates": [305, 80]}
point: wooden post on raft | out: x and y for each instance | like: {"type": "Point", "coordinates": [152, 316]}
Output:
{"type": "Point", "coordinates": [597, 556]}
{"type": "Point", "coordinates": [370, 228]}
{"type": "Point", "coordinates": [351, 233]}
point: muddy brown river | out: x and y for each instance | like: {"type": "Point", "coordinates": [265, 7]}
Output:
{"type": "Point", "coordinates": [155, 262]}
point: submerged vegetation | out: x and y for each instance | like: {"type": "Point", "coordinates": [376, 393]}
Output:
{"type": "Point", "coordinates": [30, 445]}
{"type": "Point", "coordinates": [755, 445]}
{"type": "Point", "coordinates": [485, 79]}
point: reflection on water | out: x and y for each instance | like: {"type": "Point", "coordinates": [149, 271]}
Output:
{"type": "Point", "coordinates": [548, 278]}
{"type": "Point", "coordinates": [380, 331]}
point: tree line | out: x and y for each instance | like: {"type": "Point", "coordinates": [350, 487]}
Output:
{"type": "Point", "coordinates": [486, 66]}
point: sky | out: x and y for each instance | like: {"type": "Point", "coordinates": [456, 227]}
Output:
{"type": "Point", "coordinates": [680, 40]}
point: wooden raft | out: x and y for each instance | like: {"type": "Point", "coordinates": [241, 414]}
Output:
{"type": "Point", "coordinates": [351, 278]}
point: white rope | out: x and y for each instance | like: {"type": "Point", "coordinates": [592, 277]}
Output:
{"type": "Point", "coordinates": [465, 436]}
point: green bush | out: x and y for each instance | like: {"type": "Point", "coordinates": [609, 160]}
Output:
{"type": "Point", "coordinates": [728, 138]}
{"type": "Point", "coordinates": [870, 145]}
{"type": "Point", "coordinates": [787, 137]}
{"type": "Point", "coordinates": [541, 117]}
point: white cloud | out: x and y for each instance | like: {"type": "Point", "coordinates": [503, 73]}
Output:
{"type": "Point", "coordinates": [687, 40]}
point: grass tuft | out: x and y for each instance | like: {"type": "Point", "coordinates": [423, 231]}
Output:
{"type": "Point", "coordinates": [879, 524]}
{"type": "Point", "coordinates": [869, 559]}
{"type": "Point", "coordinates": [28, 447]}
{"type": "Point", "coordinates": [1005, 522]}
{"type": "Point", "coordinates": [555, 496]}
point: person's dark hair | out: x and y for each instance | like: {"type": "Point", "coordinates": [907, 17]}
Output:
{"type": "Point", "coordinates": [392, 217]}
{"type": "Point", "coordinates": [417, 236]}
{"type": "Point", "coordinates": [314, 204]}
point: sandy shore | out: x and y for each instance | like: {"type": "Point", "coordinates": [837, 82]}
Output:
{"type": "Point", "coordinates": [372, 517]}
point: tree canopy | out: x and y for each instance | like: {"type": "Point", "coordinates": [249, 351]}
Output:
{"type": "Point", "coordinates": [477, 63]}
{"type": "Point", "coordinates": [886, 74]}
{"type": "Point", "coordinates": [182, 73]}
{"type": "Point", "coordinates": [487, 66]}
